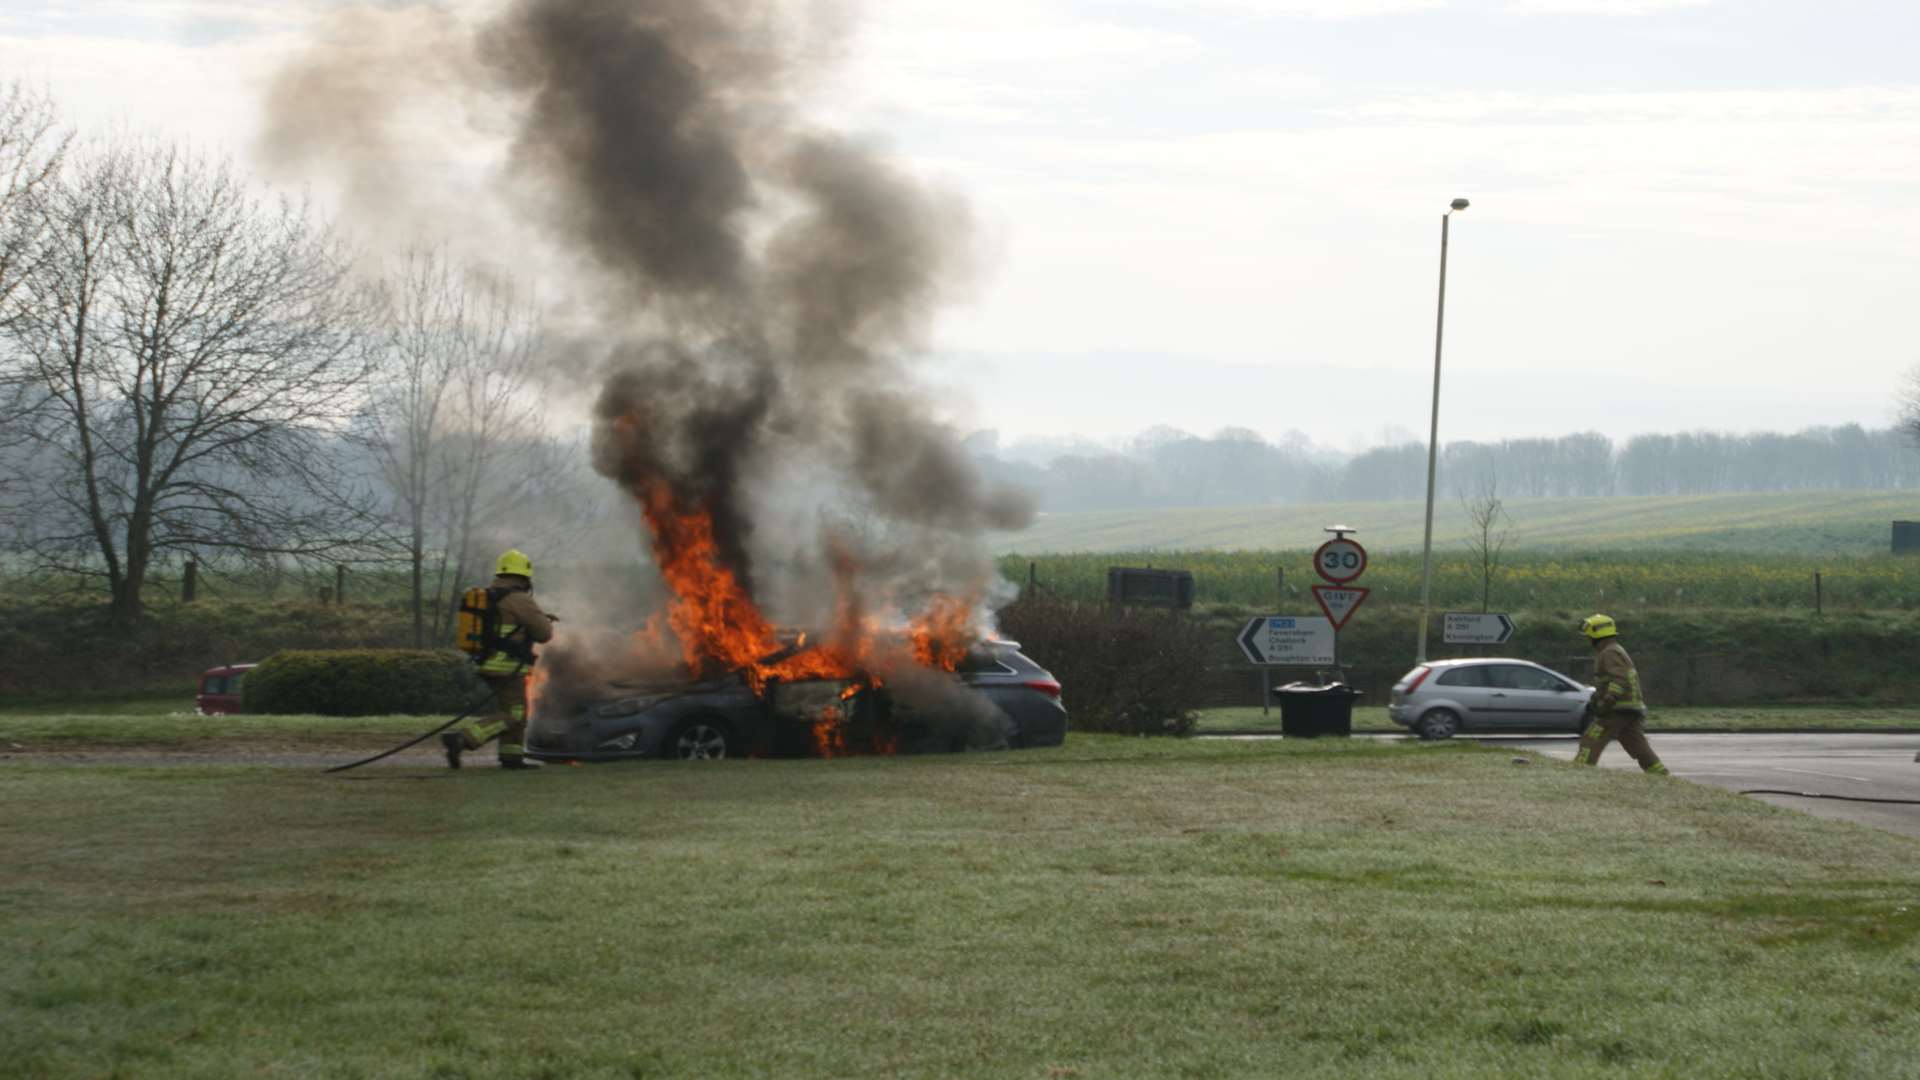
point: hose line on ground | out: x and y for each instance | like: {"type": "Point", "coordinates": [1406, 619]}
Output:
{"type": "Point", "coordinates": [1819, 795]}
{"type": "Point", "coordinates": [422, 737]}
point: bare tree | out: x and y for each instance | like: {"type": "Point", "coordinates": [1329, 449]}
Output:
{"type": "Point", "coordinates": [1490, 529]}
{"type": "Point", "coordinates": [455, 421]}
{"type": "Point", "coordinates": [31, 150]}
{"type": "Point", "coordinates": [194, 349]}
{"type": "Point", "coordinates": [1910, 406]}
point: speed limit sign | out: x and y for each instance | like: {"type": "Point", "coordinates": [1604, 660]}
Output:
{"type": "Point", "coordinates": [1340, 561]}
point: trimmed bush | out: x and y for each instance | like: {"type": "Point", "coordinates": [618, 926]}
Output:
{"type": "Point", "coordinates": [1127, 671]}
{"type": "Point", "coordinates": [362, 682]}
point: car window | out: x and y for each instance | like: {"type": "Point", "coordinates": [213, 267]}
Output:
{"type": "Point", "coordinates": [1463, 676]}
{"type": "Point", "coordinates": [1519, 677]}
{"type": "Point", "coordinates": [216, 684]}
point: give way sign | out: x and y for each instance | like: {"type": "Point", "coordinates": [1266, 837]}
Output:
{"type": "Point", "coordinates": [1339, 603]}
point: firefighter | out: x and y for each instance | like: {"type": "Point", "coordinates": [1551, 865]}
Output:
{"type": "Point", "coordinates": [521, 624]}
{"type": "Point", "coordinates": [1616, 711]}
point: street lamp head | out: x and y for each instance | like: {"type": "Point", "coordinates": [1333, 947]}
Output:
{"type": "Point", "coordinates": [1459, 204]}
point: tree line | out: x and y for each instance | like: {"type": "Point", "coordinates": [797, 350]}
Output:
{"type": "Point", "coordinates": [1236, 466]}
{"type": "Point", "coordinates": [193, 367]}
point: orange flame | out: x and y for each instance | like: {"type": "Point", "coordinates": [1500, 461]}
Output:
{"type": "Point", "coordinates": [943, 632]}
{"type": "Point", "coordinates": [720, 628]}
{"type": "Point", "coordinates": [536, 681]}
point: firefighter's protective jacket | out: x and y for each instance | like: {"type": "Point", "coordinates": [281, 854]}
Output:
{"type": "Point", "coordinates": [522, 625]}
{"type": "Point", "coordinates": [1616, 685]}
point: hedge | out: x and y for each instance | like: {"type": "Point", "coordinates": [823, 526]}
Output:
{"type": "Point", "coordinates": [362, 682]}
{"type": "Point", "coordinates": [1130, 672]}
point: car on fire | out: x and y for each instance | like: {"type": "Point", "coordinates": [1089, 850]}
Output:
{"type": "Point", "coordinates": [1441, 698]}
{"type": "Point", "coordinates": [996, 698]}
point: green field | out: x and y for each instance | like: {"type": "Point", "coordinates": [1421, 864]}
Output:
{"type": "Point", "coordinates": [1815, 524]}
{"type": "Point", "coordinates": [1115, 908]}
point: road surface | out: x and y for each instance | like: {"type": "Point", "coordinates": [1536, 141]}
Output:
{"type": "Point", "coordinates": [1875, 766]}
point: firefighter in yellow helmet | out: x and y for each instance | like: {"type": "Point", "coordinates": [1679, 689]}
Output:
{"type": "Point", "coordinates": [1616, 711]}
{"type": "Point", "coordinates": [521, 624]}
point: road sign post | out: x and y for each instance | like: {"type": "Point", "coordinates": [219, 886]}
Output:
{"type": "Point", "coordinates": [1340, 561]}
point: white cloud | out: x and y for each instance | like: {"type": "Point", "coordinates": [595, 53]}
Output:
{"type": "Point", "coordinates": [1302, 9]}
{"type": "Point", "coordinates": [1620, 8]}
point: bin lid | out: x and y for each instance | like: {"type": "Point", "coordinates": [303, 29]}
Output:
{"type": "Point", "coordinates": [1329, 690]}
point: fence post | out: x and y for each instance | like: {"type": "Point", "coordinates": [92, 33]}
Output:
{"type": "Point", "coordinates": [189, 583]}
{"type": "Point", "coordinates": [339, 583]}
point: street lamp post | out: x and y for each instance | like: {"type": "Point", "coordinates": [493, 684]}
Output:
{"type": "Point", "coordinates": [1433, 437]}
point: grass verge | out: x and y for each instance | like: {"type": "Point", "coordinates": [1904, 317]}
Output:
{"type": "Point", "coordinates": [1115, 908]}
{"type": "Point", "coordinates": [1679, 718]}
{"type": "Point", "coordinates": [177, 728]}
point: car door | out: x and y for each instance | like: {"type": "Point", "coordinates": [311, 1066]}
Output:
{"type": "Point", "coordinates": [1525, 696]}
{"type": "Point", "coordinates": [1467, 687]}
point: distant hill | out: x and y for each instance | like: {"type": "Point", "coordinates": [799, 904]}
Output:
{"type": "Point", "coordinates": [1826, 524]}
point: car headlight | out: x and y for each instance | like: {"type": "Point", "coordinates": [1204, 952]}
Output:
{"type": "Point", "coordinates": [624, 742]}
{"type": "Point", "coordinates": [623, 707]}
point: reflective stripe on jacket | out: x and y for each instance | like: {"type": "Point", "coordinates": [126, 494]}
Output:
{"type": "Point", "coordinates": [1616, 685]}
{"type": "Point", "coordinates": [521, 622]}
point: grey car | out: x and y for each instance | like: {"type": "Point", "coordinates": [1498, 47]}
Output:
{"type": "Point", "coordinates": [1444, 697]}
{"type": "Point", "coordinates": [998, 698]}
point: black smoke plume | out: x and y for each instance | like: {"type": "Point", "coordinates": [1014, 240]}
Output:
{"type": "Point", "coordinates": [745, 286]}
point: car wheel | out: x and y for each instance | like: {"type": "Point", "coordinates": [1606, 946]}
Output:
{"type": "Point", "coordinates": [701, 739]}
{"type": "Point", "coordinates": [1438, 724]}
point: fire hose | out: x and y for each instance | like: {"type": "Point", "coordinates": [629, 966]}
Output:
{"type": "Point", "coordinates": [422, 737]}
{"type": "Point", "coordinates": [1819, 795]}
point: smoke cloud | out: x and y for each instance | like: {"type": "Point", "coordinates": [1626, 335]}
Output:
{"type": "Point", "coordinates": [745, 287]}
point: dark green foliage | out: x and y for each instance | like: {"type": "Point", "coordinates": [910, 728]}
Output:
{"type": "Point", "coordinates": [362, 682]}
{"type": "Point", "coordinates": [54, 645]}
{"type": "Point", "coordinates": [1126, 671]}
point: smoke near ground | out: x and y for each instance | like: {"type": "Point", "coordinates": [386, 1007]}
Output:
{"type": "Point", "coordinates": [743, 287]}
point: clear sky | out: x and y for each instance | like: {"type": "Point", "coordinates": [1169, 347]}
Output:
{"type": "Point", "coordinates": [1207, 213]}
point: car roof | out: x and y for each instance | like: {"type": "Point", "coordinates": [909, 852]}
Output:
{"type": "Point", "coordinates": [1470, 661]}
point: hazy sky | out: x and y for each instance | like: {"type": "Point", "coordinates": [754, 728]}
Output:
{"type": "Point", "coordinates": [1204, 213]}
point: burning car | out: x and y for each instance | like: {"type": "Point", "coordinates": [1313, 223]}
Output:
{"type": "Point", "coordinates": [995, 698]}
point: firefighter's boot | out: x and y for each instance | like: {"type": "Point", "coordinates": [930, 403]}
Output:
{"type": "Point", "coordinates": [518, 763]}
{"type": "Point", "coordinates": [455, 745]}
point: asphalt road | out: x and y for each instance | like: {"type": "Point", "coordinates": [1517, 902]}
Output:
{"type": "Point", "coordinates": [1875, 766]}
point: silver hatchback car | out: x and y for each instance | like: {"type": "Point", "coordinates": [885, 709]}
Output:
{"type": "Point", "coordinates": [1443, 697]}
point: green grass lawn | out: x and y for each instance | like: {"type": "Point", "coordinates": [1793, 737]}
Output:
{"type": "Point", "coordinates": [1115, 908]}
{"type": "Point", "coordinates": [1677, 718]}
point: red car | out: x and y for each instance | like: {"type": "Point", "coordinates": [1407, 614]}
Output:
{"type": "Point", "coordinates": [220, 689]}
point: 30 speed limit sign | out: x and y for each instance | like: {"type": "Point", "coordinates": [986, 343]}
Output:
{"type": "Point", "coordinates": [1340, 561]}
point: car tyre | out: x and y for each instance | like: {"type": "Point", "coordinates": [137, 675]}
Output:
{"type": "Point", "coordinates": [701, 738]}
{"type": "Point", "coordinates": [1438, 724]}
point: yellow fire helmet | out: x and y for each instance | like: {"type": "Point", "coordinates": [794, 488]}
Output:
{"type": "Point", "coordinates": [1598, 626]}
{"type": "Point", "coordinates": [515, 561]}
